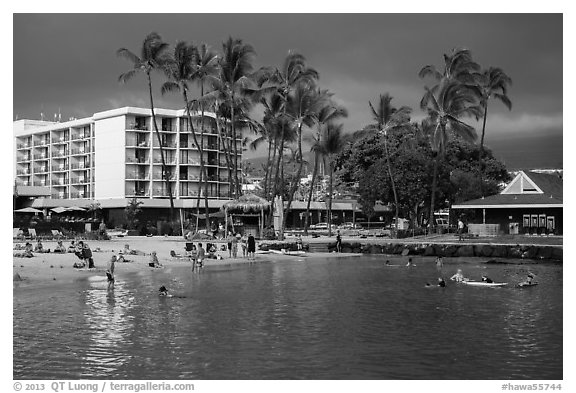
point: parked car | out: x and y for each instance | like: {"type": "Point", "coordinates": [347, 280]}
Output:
{"type": "Point", "coordinates": [350, 225]}
{"type": "Point", "coordinates": [322, 226]}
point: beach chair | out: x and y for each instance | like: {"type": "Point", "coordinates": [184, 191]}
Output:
{"type": "Point", "coordinates": [17, 233]}
{"type": "Point", "coordinates": [174, 255]}
{"type": "Point", "coordinates": [32, 233]}
{"type": "Point", "coordinates": [56, 234]}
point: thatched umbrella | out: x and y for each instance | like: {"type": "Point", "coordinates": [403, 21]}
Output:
{"type": "Point", "coordinates": [248, 203]}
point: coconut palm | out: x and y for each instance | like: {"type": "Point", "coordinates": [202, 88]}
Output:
{"type": "Point", "coordinates": [389, 119]}
{"type": "Point", "coordinates": [180, 69]}
{"type": "Point", "coordinates": [458, 65]}
{"type": "Point", "coordinates": [445, 105]}
{"type": "Point", "coordinates": [152, 57]}
{"type": "Point", "coordinates": [333, 142]}
{"type": "Point", "coordinates": [328, 111]}
{"type": "Point", "coordinates": [492, 83]}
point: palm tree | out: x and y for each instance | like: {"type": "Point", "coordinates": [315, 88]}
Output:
{"type": "Point", "coordinates": [333, 142]}
{"type": "Point", "coordinates": [492, 83]}
{"type": "Point", "coordinates": [236, 65]}
{"type": "Point", "coordinates": [327, 111]}
{"type": "Point", "coordinates": [445, 104]}
{"type": "Point", "coordinates": [152, 58]}
{"type": "Point", "coordinates": [389, 119]}
{"type": "Point", "coordinates": [458, 65]}
{"type": "Point", "coordinates": [180, 69]}
{"type": "Point", "coordinates": [206, 65]}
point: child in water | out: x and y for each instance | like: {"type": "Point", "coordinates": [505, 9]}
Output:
{"type": "Point", "coordinates": [458, 276]}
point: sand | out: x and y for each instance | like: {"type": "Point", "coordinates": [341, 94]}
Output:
{"type": "Point", "coordinates": [50, 268]}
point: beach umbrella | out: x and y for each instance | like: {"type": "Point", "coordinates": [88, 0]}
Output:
{"type": "Point", "coordinates": [28, 210]}
{"type": "Point", "coordinates": [59, 210]}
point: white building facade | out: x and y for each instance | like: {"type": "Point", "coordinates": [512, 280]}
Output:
{"type": "Point", "coordinates": [115, 155]}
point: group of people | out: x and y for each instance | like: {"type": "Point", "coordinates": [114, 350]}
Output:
{"type": "Point", "coordinates": [84, 253]}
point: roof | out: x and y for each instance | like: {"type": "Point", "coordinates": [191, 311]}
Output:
{"type": "Point", "coordinates": [526, 190]}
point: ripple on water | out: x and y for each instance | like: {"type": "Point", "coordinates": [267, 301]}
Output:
{"type": "Point", "coordinates": [330, 319]}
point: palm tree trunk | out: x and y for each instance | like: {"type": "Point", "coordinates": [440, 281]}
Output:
{"type": "Point", "coordinates": [200, 150]}
{"type": "Point", "coordinates": [434, 186]}
{"type": "Point", "coordinates": [481, 158]}
{"type": "Point", "coordinates": [164, 170]}
{"type": "Point", "coordinates": [391, 181]}
{"type": "Point", "coordinates": [224, 147]}
{"type": "Point", "coordinates": [237, 186]}
{"type": "Point", "coordinates": [268, 171]}
{"type": "Point", "coordinates": [295, 182]}
{"type": "Point", "coordinates": [206, 209]}
{"type": "Point", "coordinates": [314, 172]}
{"type": "Point", "coordinates": [330, 198]}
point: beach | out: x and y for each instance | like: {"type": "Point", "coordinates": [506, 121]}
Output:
{"type": "Point", "coordinates": [45, 268]}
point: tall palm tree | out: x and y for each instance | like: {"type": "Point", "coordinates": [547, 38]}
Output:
{"type": "Point", "coordinates": [180, 69]}
{"type": "Point", "coordinates": [445, 104]}
{"type": "Point", "coordinates": [492, 83]}
{"type": "Point", "coordinates": [152, 57]}
{"type": "Point", "coordinates": [206, 65]}
{"type": "Point", "coordinates": [236, 65]}
{"type": "Point", "coordinates": [389, 119]}
{"type": "Point", "coordinates": [328, 111]}
{"type": "Point", "coordinates": [333, 142]}
{"type": "Point", "coordinates": [293, 73]}
{"type": "Point", "coordinates": [458, 65]}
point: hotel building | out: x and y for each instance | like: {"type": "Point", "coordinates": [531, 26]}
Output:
{"type": "Point", "coordinates": [114, 156]}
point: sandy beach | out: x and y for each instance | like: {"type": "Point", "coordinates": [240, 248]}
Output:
{"type": "Point", "coordinates": [46, 268]}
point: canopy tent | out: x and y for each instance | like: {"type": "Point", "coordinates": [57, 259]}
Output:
{"type": "Point", "coordinates": [28, 210]}
{"type": "Point", "coordinates": [59, 209]}
{"type": "Point", "coordinates": [247, 205]}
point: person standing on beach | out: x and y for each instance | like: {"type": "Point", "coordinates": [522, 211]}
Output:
{"type": "Point", "coordinates": [338, 242]}
{"type": "Point", "coordinates": [244, 245]}
{"type": "Point", "coordinates": [251, 247]}
{"type": "Point", "coordinates": [87, 255]}
{"type": "Point", "coordinates": [201, 255]}
{"type": "Point", "coordinates": [110, 271]}
{"type": "Point", "coordinates": [460, 229]}
{"type": "Point", "coordinates": [229, 240]}
{"type": "Point", "coordinates": [234, 246]}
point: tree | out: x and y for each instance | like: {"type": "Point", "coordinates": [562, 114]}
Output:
{"type": "Point", "coordinates": [152, 58]}
{"type": "Point", "coordinates": [180, 69]}
{"type": "Point", "coordinates": [327, 111]}
{"type": "Point", "coordinates": [388, 118]}
{"type": "Point", "coordinates": [445, 104]}
{"type": "Point", "coordinates": [492, 83]}
{"type": "Point", "coordinates": [131, 213]}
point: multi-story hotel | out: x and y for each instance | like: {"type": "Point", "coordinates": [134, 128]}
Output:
{"type": "Point", "coordinates": [115, 155]}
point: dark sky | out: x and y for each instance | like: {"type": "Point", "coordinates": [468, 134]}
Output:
{"type": "Point", "coordinates": [68, 61]}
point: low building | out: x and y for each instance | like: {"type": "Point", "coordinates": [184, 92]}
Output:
{"type": "Point", "coordinates": [530, 204]}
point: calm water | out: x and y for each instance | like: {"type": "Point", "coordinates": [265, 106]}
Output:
{"type": "Point", "coordinates": [304, 319]}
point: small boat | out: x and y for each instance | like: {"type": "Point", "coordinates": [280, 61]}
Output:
{"type": "Point", "coordinates": [525, 284]}
{"type": "Point", "coordinates": [484, 284]}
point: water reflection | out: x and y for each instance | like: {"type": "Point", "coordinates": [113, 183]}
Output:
{"type": "Point", "coordinates": [109, 323]}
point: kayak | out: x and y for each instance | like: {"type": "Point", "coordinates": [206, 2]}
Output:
{"type": "Point", "coordinates": [484, 284]}
{"type": "Point", "coordinates": [525, 284]}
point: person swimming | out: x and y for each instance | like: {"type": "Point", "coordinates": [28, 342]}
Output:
{"type": "Point", "coordinates": [487, 279]}
{"type": "Point", "coordinates": [163, 291]}
{"type": "Point", "coordinates": [458, 276]}
{"type": "Point", "coordinates": [441, 283]}
{"type": "Point", "coordinates": [529, 280]}
{"type": "Point", "coordinates": [410, 263]}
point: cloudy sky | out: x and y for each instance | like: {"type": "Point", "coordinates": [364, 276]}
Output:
{"type": "Point", "coordinates": [67, 63]}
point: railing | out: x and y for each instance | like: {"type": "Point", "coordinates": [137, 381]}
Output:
{"type": "Point", "coordinates": [190, 162]}
{"type": "Point", "coordinates": [166, 145]}
{"type": "Point", "coordinates": [185, 193]}
{"type": "Point", "coordinates": [40, 156]}
{"type": "Point", "coordinates": [79, 180]}
{"type": "Point", "coordinates": [59, 153]}
{"type": "Point", "coordinates": [137, 126]}
{"type": "Point", "coordinates": [41, 183]}
{"type": "Point", "coordinates": [40, 169]}
{"type": "Point", "coordinates": [137, 176]}
{"type": "Point", "coordinates": [24, 183]}
{"type": "Point", "coordinates": [59, 168]}
{"type": "Point", "coordinates": [59, 140]}
{"type": "Point", "coordinates": [138, 193]}
{"type": "Point", "coordinates": [23, 158]}
{"type": "Point", "coordinates": [79, 151]}
{"type": "Point", "coordinates": [135, 160]}
{"type": "Point", "coordinates": [23, 146]}
{"type": "Point", "coordinates": [168, 161]}
{"type": "Point", "coordinates": [80, 136]}
{"type": "Point", "coordinates": [62, 195]}
{"type": "Point", "coordinates": [22, 172]}
{"type": "Point", "coordinates": [81, 166]}
{"type": "Point", "coordinates": [160, 192]}
{"type": "Point", "coordinates": [59, 182]}
{"type": "Point", "coordinates": [77, 195]}
{"type": "Point", "coordinates": [42, 142]}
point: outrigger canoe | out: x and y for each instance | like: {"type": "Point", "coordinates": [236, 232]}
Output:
{"type": "Point", "coordinates": [484, 284]}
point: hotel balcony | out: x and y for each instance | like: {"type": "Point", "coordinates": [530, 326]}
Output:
{"type": "Point", "coordinates": [62, 195]}
{"type": "Point", "coordinates": [59, 182]}
{"type": "Point", "coordinates": [40, 157]}
{"type": "Point", "coordinates": [137, 126]}
{"type": "Point", "coordinates": [24, 183]}
{"type": "Point", "coordinates": [165, 145]}
{"type": "Point", "coordinates": [56, 154]}
{"type": "Point", "coordinates": [80, 136]}
{"type": "Point", "coordinates": [21, 146]}
{"type": "Point", "coordinates": [140, 193]}
{"type": "Point", "coordinates": [80, 166]}
{"type": "Point", "coordinates": [42, 142]}
{"type": "Point", "coordinates": [161, 193]}
{"type": "Point", "coordinates": [137, 176]}
{"type": "Point", "coordinates": [78, 195]}
{"type": "Point", "coordinates": [189, 193]}
{"type": "Point", "coordinates": [41, 169]}
{"type": "Point", "coordinates": [158, 177]}
{"type": "Point", "coordinates": [59, 168]}
{"type": "Point", "coordinates": [79, 151]}
{"type": "Point", "coordinates": [135, 160]}
{"type": "Point", "coordinates": [23, 172]}
{"type": "Point", "coordinates": [190, 162]}
{"type": "Point", "coordinates": [23, 158]}
{"type": "Point", "coordinates": [79, 180]}
{"type": "Point", "coordinates": [137, 144]}
{"type": "Point", "coordinates": [59, 141]}
{"type": "Point", "coordinates": [169, 161]}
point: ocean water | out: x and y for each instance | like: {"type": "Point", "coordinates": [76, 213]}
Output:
{"type": "Point", "coordinates": [307, 318]}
